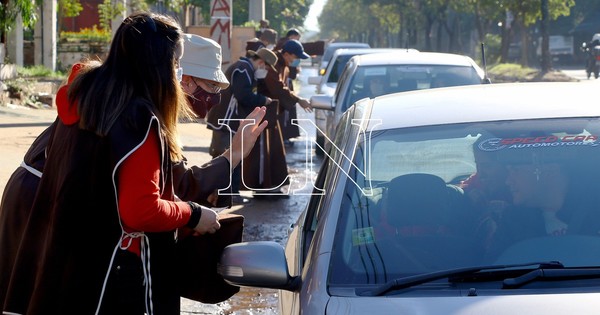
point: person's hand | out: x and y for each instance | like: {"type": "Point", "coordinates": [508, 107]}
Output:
{"type": "Point", "coordinates": [246, 135]}
{"type": "Point", "coordinates": [305, 104]}
{"type": "Point", "coordinates": [208, 223]}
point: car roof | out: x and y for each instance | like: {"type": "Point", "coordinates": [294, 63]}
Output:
{"type": "Point", "coordinates": [331, 48]}
{"type": "Point", "coordinates": [486, 102]}
{"type": "Point", "coordinates": [431, 58]}
{"type": "Point", "coordinates": [360, 51]}
{"type": "Point", "coordinates": [347, 44]}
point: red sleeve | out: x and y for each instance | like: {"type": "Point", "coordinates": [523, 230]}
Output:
{"type": "Point", "coordinates": [140, 205]}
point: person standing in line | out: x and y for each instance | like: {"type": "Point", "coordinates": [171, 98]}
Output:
{"type": "Point", "coordinates": [265, 168]}
{"type": "Point", "coordinates": [292, 33]}
{"type": "Point", "coordinates": [240, 98]}
{"type": "Point", "coordinates": [290, 131]}
{"type": "Point", "coordinates": [203, 78]}
{"type": "Point", "coordinates": [262, 25]}
{"type": "Point", "coordinates": [107, 173]}
{"type": "Point", "coordinates": [267, 39]}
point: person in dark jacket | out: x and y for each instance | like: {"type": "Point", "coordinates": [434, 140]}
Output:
{"type": "Point", "coordinates": [289, 130]}
{"type": "Point", "coordinates": [267, 39]}
{"type": "Point", "coordinates": [240, 98]}
{"type": "Point", "coordinates": [107, 172]}
{"type": "Point", "coordinates": [265, 168]}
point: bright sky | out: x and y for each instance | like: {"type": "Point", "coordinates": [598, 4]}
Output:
{"type": "Point", "coordinates": [310, 24]}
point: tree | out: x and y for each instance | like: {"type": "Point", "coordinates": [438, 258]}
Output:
{"type": "Point", "coordinates": [546, 61]}
{"type": "Point", "coordinates": [10, 9]}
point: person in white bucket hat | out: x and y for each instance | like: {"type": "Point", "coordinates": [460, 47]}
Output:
{"type": "Point", "coordinates": [202, 77]}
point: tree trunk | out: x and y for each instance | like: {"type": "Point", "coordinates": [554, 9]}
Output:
{"type": "Point", "coordinates": [546, 59]}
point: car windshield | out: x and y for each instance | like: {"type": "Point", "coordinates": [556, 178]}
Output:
{"type": "Point", "coordinates": [426, 199]}
{"type": "Point", "coordinates": [401, 78]}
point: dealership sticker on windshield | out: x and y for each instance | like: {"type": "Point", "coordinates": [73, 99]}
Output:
{"type": "Point", "coordinates": [363, 236]}
{"type": "Point", "coordinates": [495, 144]}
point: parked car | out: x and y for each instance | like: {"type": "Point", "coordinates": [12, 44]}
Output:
{"type": "Point", "coordinates": [396, 73]}
{"type": "Point", "coordinates": [326, 83]}
{"type": "Point", "coordinates": [389, 230]}
{"type": "Point", "coordinates": [332, 47]}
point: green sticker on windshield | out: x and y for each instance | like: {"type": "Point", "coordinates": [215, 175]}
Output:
{"type": "Point", "coordinates": [363, 236]}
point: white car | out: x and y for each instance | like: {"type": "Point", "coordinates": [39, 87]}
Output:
{"type": "Point", "coordinates": [327, 82]}
{"type": "Point", "coordinates": [332, 47]}
{"type": "Point", "coordinates": [399, 72]}
{"type": "Point", "coordinates": [391, 227]}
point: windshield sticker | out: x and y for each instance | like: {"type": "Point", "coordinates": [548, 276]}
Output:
{"type": "Point", "coordinates": [363, 236]}
{"type": "Point", "coordinates": [375, 71]}
{"type": "Point", "coordinates": [495, 144]}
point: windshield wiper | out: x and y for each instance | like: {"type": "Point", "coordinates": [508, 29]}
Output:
{"type": "Point", "coordinates": [550, 274]}
{"type": "Point", "coordinates": [408, 282]}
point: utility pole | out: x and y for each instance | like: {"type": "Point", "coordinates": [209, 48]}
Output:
{"type": "Point", "coordinates": [256, 10]}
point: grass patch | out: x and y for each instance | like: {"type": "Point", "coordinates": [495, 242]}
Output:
{"type": "Point", "coordinates": [511, 70]}
{"type": "Point", "coordinates": [40, 71]}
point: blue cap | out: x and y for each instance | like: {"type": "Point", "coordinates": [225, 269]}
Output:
{"type": "Point", "coordinates": [293, 46]}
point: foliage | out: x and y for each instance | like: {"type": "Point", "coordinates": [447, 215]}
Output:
{"type": "Point", "coordinates": [511, 69]}
{"type": "Point", "coordinates": [109, 11]}
{"type": "Point", "coordinates": [39, 71]}
{"type": "Point", "coordinates": [10, 9]}
{"type": "Point", "coordinates": [69, 8]}
{"type": "Point", "coordinates": [492, 48]}
{"type": "Point", "coordinates": [93, 34]}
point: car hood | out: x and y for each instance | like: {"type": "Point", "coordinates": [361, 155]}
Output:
{"type": "Point", "coordinates": [547, 304]}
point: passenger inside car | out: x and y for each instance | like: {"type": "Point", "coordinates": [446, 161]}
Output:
{"type": "Point", "coordinates": [486, 189]}
{"type": "Point", "coordinates": [373, 86]}
{"type": "Point", "coordinates": [552, 197]}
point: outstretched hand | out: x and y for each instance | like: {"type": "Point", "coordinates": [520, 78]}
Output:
{"type": "Point", "coordinates": [244, 139]}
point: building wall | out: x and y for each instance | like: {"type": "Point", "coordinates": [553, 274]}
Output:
{"type": "Point", "coordinates": [86, 19]}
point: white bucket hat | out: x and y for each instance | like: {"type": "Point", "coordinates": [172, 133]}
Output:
{"type": "Point", "coordinates": [202, 59]}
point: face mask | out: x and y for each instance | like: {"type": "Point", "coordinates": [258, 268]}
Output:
{"type": "Point", "coordinates": [295, 63]}
{"type": "Point", "coordinates": [179, 74]}
{"type": "Point", "coordinates": [203, 101]}
{"type": "Point", "coordinates": [270, 46]}
{"type": "Point", "coordinates": [260, 73]}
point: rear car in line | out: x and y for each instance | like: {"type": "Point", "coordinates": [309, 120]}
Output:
{"type": "Point", "coordinates": [372, 75]}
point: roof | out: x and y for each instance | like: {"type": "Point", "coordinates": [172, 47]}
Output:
{"type": "Point", "coordinates": [415, 58]}
{"type": "Point", "coordinates": [486, 102]}
{"type": "Point", "coordinates": [361, 51]}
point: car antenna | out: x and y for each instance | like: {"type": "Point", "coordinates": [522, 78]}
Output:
{"type": "Point", "coordinates": [486, 79]}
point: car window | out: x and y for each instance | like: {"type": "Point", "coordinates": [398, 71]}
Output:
{"type": "Point", "coordinates": [402, 78]}
{"type": "Point", "coordinates": [338, 67]}
{"type": "Point", "coordinates": [427, 199]}
{"type": "Point", "coordinates": [330, 50]}
{"type": "Point", "coordinates": [341, 87]}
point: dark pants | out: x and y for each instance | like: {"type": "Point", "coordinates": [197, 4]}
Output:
{"type": "Point", "coordinates": [124, 292]}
